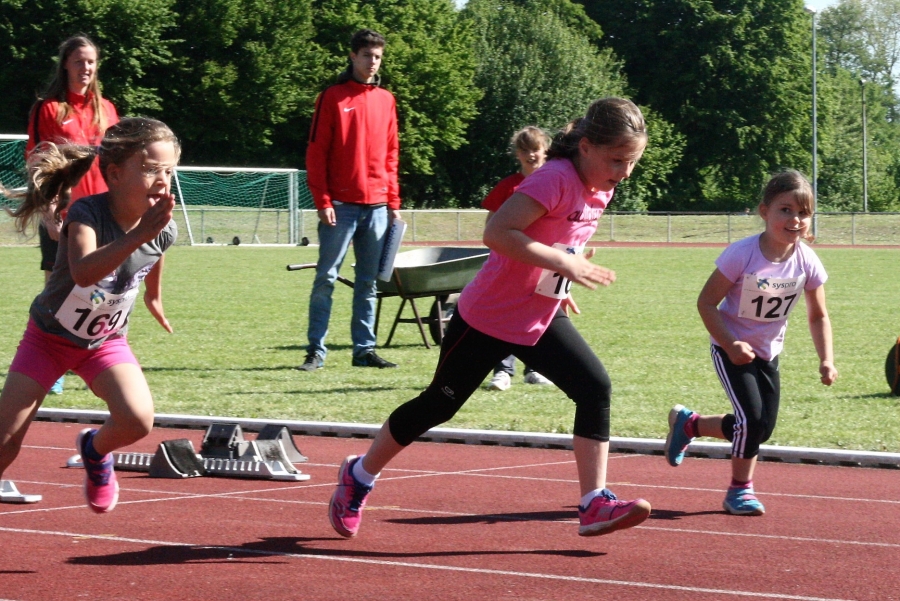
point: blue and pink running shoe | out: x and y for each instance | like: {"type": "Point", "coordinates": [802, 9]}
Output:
{"type": "Point", "coordinates": [742, 501]}
{"type": "Point", "coordinates": [348, 500]}
{"type": "Point", "coordinates": [678, 440]}
{"type": "Point", "coordinates": [101, 489]}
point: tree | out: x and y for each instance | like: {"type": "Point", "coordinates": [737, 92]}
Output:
{"type": "Point", "coordinates": [537, 66]}
{"type": "Point", "coordinates": [132, 39]}
{"type": "Point", "coordinates": [731, 75]}
{"type": "Point", "coordinates": [244, 68]}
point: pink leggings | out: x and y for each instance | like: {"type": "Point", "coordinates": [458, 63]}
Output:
{"type": "Point", "coordinates": [46, 357]}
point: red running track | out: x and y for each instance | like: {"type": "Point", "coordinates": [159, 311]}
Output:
{"type": "Point", "coordinates": [446, 521]}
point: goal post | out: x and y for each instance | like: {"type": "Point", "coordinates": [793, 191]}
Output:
{"type": "Point", "coordinates": [241, 205]}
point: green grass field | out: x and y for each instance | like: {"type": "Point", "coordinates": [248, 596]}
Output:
{"type": "Point", "coordinates": [240, 319]}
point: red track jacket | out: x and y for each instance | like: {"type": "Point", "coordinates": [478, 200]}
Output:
{"type": "Point", "coordinates": [353, 151]}
{"type": "Point", "coordinates": [78, 128]}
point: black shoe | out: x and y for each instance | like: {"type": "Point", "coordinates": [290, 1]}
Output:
{"type": "Point", "coordinates": [370, 359]}
{"type": "Point", "coordinates": [312, 363]}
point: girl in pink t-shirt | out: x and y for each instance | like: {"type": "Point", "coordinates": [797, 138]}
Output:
{"type": "Point", "coordinates": [758, 282]}
{"type": "Point", "coordinates": [513, 306]}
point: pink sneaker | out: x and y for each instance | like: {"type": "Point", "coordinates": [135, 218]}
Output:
{"type": "Point", "coordinates": [605, 514]}
{"type": "Point", "coordinates": [101, 489]}
{"type": "Point", "coordinates": [348, 500]}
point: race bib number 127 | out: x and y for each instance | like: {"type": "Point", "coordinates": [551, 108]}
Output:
{"type": "Point", "coordinates": [553, 284]}
{"type": "Point", "coordinates": [769, 299]}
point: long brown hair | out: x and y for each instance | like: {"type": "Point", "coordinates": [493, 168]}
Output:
{"type": "Point", "coordinates": [608, 122]}
{"type": "Point", "coordinates": [54, 169]}
{"type": "Point", "coordinates": [58, 87]}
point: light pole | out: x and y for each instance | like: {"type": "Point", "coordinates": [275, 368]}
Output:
{"type": "Point", "coordinates": [862, 87]}
{"type": "Point", "coordinates": [815, 150]}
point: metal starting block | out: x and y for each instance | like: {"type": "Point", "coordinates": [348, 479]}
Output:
{"type": "Point", "coordinates": [224, 452]}
{"type": "Point", "coordinates": [10, 494]}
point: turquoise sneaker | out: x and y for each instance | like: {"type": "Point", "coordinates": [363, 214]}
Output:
{"type": "Point", "coordinates": [57, 388]}
{"type": "Point", "coordinates": [742, 501]}
{"type": "Point", "coordinates": [677, 441]}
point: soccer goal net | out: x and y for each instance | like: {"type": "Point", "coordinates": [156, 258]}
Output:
{"type": "Point", "coordinates": [12, 161]}
{"type": "Point", "coordinates": [227, 205]}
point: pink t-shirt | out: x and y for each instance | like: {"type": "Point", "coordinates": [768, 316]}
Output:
{"type": "Point", "coordinates": [515, 301]}
{"type": "Point", "coordinates": [764, 293]}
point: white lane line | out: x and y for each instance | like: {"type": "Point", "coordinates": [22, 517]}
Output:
{"type": "Point", "coordinates": [427, 566]}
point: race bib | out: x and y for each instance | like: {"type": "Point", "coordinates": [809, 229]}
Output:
{"type": "Point", "coordinates": [769, 299]}
{"type": "Point", "coordinates": [93, 313]}
{"type": "Point", "coordinates": [553, 284]}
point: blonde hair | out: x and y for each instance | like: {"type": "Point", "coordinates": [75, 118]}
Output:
{"type": "Point", "coordinates": [529, 138]}
{"type": "Point", "coordinates": [54, 169]}
{"type": "Point", "coordinates": [52, 172]}
{"type": "Point", "coordinates": [790, 181]}
{"type": "Point", "coordinates": [58, 87]}
{"type": "Point", "coordinates": [608, 122]}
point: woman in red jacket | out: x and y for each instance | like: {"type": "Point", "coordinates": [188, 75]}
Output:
{"type": "Point", "coordinates": [71, 110]}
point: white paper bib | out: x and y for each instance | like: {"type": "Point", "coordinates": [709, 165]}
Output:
{"type": "Point", "coordinates": [553, 284]}
{"type": "Point", "coordinates": [769, 299]}
{"type": "Point", "coordinates": [93, 313]}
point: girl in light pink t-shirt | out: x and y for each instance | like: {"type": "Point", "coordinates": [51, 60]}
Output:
{"type": "Point", "coordinates": [516, 305]}
{"type": "Point", "coordinates": [745, 306]}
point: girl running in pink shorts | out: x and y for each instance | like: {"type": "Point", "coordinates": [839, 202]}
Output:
{"type": "Point", "coordinates": [537, 238]}
{"type": "Point", "coordinates": [109, 244]}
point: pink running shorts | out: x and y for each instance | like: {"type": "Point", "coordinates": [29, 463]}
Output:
{"type": "Point", "coordinates": [46, 357]}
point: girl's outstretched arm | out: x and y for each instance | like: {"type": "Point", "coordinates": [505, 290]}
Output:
{"type": "Point", "coordinates": [153, 294]}
{"type": "Point", "coordinates": [717, 286]}
{"type": "Point", "coordinates": [820, 329]}
{"type": "Point", "coordinates": [504, 233]}
{"type": "Point", "coordinates": [90, 264]}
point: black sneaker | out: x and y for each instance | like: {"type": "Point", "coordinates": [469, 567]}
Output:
{"type": "Point", "coordinates": [370, 359]}
{"type": "Point", "coordinates": [312, 363]}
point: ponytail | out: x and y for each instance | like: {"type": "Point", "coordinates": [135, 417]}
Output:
{"type": "Point", "coordinates": [52, 172]}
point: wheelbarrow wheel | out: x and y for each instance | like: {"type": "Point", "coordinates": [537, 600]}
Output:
{"type": "Point", "coordinates": [436, 323]}
{"type": "Point", "coordinates": [892, 368]}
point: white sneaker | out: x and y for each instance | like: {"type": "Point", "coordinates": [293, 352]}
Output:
{"type": "Point", "coordinates": [534, 377]}
{"type": "Point", "coordinates": [501, 381]}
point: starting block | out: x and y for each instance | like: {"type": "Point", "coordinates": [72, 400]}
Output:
{"type": "Point", "coordinates": [10, 494]}
{"type": "Point", "coordinates": [224, 452]}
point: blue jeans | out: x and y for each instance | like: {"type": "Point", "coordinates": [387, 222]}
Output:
{"type": "Point", "coordinates": [365, 227]}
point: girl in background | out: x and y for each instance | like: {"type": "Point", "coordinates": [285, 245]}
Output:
{"type": "Point", "coordinates": [745, 305]}
{"type": "Point", "coordinates": [109, 244]}
{"type": "Point", "coordinates": [513, 307]}
{"type": "Point", "coordinates": [71, 111]}
{"type": "Point", "coordinates": [529, 145]}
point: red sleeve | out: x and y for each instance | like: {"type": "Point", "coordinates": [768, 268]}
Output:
{"type": "Point", "coordinates": [501, 192]}
{"type": "Point", "coordinates": [393, 160]}
{"type": "Point", "coordinates": [48, 128]}
{"type": "Point", "coordinates": [112, 116]}
{"type": "Point", "coordinates": [320, 134]}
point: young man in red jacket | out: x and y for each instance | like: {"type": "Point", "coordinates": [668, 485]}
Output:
{"type": "Point", "coordinates": [351, 163]}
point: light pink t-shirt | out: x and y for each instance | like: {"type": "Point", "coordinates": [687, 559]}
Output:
{"type": "Point", "coordinates": [515, 301]}
{"type": "Point", "coordinates": [764, 293]}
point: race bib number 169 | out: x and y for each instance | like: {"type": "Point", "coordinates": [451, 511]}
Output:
{"type": "Point", "coordinates": [93, 313]}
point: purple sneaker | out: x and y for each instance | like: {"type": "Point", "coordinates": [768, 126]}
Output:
{"type": "Point", "coordinates": [605, 514]}
{"type": "Point", "coordinates": [348, 500]}
{"type": "Point", "coordinates": [101, 489]}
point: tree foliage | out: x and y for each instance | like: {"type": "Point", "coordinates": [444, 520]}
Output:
{"type": "Point", "coordinates": [731, 75]}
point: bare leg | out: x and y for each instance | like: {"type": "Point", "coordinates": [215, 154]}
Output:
{"type": "Point", "coordinates": [590, 458]}
{"type": "Point", "coordinates": [383, 449]}
{"type": "Point", "coordinates": [125, 391]}
{"type": "Point", "coordinates": [19, 402]}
